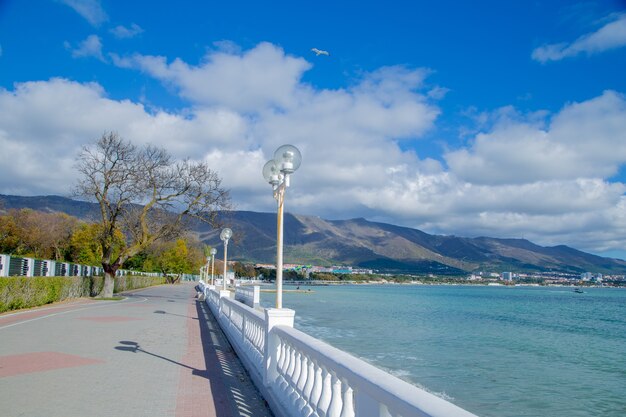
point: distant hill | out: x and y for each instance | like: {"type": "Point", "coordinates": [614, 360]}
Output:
{"type": "Point", "coordinates": [51, 204]}
{"type": "Point", "coordinates": [361, 243]}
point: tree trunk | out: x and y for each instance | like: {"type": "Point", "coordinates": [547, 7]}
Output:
{"type": "Point", "coordinates": [110, 270]}
{"type": "Point", "coordinates": [109, 283]}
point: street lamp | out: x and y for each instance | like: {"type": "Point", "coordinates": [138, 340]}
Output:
{"type": "Point", "coordinates": [277, 171]}
{"type": "Point", "coordinates": [205, 270]}
{"type": "Point", "coordinates": [225, 235]}
{"type": "Point", "coordinates": [213, 252]}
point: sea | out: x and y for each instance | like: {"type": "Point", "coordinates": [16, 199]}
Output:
{"type": "Point", "coordinates": [495, 351]}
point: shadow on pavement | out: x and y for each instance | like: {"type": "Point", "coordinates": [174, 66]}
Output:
{"type": "Point", "coordinates": [237, 386]}
{"type": "Point", "coordinates": [130, 346]}
{"type": "Point", "coordinates": [174, 314]}
{"type": "Point", "coordinates": [232, 389]}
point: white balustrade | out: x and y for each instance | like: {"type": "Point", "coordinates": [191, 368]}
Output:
{"type": "Point", "coordinates": [249, 295]}
{"type": "Point", "coordinates": [244, 327]}
{"type": "Point", "coordinates": [302, 376]}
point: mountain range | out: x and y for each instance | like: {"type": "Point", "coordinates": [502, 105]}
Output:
{"type": "Point", "coordinates": [361, 243]}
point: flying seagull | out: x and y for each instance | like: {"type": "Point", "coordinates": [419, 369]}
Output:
{"type": "Point", "coordinates": [319, 52]}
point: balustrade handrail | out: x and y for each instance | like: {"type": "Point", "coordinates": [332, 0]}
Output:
{"type": "Point", "coordinates": [244, 309]}
{"type": "Point", "coordinates": [381, 386]}
{"type": "Point", "coordinates": [366, 390]}
{"type": "Point", "coordinates": [249, 295]}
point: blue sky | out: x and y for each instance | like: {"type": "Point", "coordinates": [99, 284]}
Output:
{"type": "Point", "coordinates": [505, 119]}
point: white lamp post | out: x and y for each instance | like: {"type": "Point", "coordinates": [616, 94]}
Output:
{"type": "Point", "coordinates": [286, 161]}
{"type": "Point", "coordinates": [213, 252]}
{"type": "Point", "coordinates": [225, 235]}
{"type": "Point", "coordinates": [206, 269]}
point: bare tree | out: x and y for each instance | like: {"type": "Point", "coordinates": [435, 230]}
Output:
{"type": "Point", "coordinates": [145, 194]}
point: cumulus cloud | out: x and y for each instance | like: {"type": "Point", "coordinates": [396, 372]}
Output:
{"type": "Point", "coordinates": [263, 76]}
{"type": "Point", "coordinates": [548, 182]}
{"type": "Point", "coordinates": [90, 10]}
{"type": "Point", "coordinates": [610, 36]}
{"type": "Point", "coordinates": [44, 124]}
{"type": "Point", "coordinates": [541, 176]}
{"type": "Point", "coordinates": [90, 47]}
{"type": "Point", "coordinates": [122, 32]}
{"type": "Point", "coordinates": [585, 139]}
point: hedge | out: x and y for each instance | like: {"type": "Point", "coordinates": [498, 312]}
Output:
{"type": "Point", "coordinates": [26, 292]}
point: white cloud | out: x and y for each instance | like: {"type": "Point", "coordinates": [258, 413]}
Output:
{"type": "Point", "coordinates": [90, 47]}
{"type": "Point", "coordinates": [44, 124]}
{"type": "Point", "coordinates": [541, 176]}
{"type": "Point", "coordinates": [547, 182]}
{"type": "Point", "coordinates": [90, 10]}
{"type": "Point", "coordinates": [261, 77]}
{"type": "Point", "coordinates": [122, 32]}
{"type": "Point", "coordinates": [610, 36]}
{"type": "Point", "coordinates": [585, 140]}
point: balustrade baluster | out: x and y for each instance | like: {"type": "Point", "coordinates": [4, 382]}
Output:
{"type": "Point", "coordinates": [334, 409]}
{"type": "Point", "coordinates": [255, 338]}
{"type": "Point", "coordinates": [300, 383]}
{"type": "Point", "coordinates": [282, 357]}
{"type": "Point", "coordinates": [243, 328]}
{"type": "Point", "coordinates": [316, 390]}
{"type": "Point", "coordinates": [286, 368]}
{"type": "Point", "coordinates": [290, 371]}
{"type": "Point", "coordinates": [310, 380]}
{"type": "Point", "coordinates": [293, 381]}
{"type": "Point", "coordinates": [347, 396]}
{"type": "Point", "coordinates": [393, 413]}
{"type": "Point", "coordinates": [326, 396]}
{"type": "Point", "coordinates": [307, 390]}
{"type": "Point", "coordinates": [384, 411]}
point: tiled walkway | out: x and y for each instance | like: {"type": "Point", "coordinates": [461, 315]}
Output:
{"type": "Point", "coordinates": [157, 353]}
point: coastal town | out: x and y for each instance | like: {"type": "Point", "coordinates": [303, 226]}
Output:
{"type": "Point", "coordinates": [348, 274]}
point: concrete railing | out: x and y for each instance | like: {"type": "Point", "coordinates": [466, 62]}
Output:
{"type": "Point", "coordinates": [249, 295]}
{"type": "Point", "coordinates": [314, 378]}
{"type": "Point", "coordinates": [299, 375]}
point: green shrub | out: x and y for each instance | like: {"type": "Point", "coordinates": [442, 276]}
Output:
{"type": "Point", "coordinates": [131, 282]}
{"type": "Point", "coordinates": [95, 286]}
{"type": "Point", "coordinates": [26, 292]}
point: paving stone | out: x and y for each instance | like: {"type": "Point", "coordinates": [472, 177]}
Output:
{"type": "Point", "coordinates": [156, 353]}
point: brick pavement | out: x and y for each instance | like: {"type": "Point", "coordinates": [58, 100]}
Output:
{"type": "Point", "coordinates": [157, 353]}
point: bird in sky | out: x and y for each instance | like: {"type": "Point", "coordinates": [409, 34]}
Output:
{"type": "Point", "coordinates": [319, 52]}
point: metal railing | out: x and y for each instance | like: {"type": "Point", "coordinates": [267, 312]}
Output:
{"type": "Point", "coordinates": [11, 265]}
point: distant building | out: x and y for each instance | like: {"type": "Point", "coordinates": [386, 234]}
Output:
{"type": "Point", "coordinates": [586, 276]}
{"type": "Point", "coordinates": [507, 276]}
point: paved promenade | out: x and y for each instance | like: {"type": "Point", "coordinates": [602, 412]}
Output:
{"type": "Point", "coordinates": [157, 353]}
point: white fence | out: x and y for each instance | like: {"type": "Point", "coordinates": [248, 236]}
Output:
{"type": "Point", "coordinates": [11, 266]}
{"type": "Point", "coordinates": [301, 376]}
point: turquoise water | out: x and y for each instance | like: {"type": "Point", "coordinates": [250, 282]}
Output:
{"type": "Point", "coordinates": [495, 351]}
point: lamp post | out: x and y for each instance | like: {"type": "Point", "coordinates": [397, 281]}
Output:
{"type": "Point", "coordinates": [225, 235]}
{"type": "Point", "coordinates": [277, 171]}
{"type": "Point", "coordinates": [213, 252]}
{"type": "Point", "coordinates": [205, 269]}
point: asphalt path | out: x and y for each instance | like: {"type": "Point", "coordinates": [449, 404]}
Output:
{"type": "Point", "coordinates": [158, 352]}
